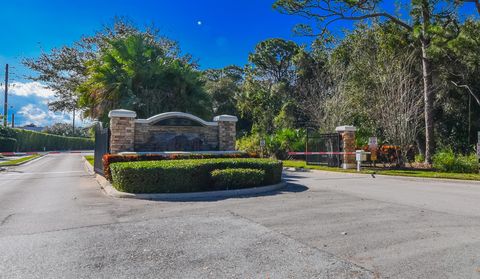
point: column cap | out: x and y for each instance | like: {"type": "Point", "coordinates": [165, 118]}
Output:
{"type": "Point", "coordinates": [225, 118]}
{"type": "Point", "coordinates": [122, 113]}
{"type": "Point", "coordinates": [346, 128]}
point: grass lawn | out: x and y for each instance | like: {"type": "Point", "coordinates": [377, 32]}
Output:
{"type": "Point", "coordinates": [90, 159]}
{"type": "Point", "coordinates": [18, 161]}
{"type": "Point", "coordinates": [410, 173]}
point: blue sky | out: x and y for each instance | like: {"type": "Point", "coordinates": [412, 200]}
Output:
{"type": "Point", "coordinates": [229, 30]}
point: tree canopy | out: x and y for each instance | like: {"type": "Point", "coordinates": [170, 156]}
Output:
{"type": "Point", "coordinates": [393, 77]}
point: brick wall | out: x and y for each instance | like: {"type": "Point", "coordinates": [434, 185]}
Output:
{"type": "Point", "coordinates": [226, 135]}
{"type": "Point", "coordinates": [122, 132]}
{"type": "Point", "coordinates": [129, 134]}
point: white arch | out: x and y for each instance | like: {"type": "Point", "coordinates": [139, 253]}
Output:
{"type": "Point", "coordinates": [175, 114]}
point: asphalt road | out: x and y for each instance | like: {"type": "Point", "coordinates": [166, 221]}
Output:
{"type": "Point", "coordinates": [55, 222]}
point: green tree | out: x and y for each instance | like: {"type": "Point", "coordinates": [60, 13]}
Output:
{"type": "Point", "coordinates": [137, 73]}
{"type": "Point", "coordinates": [65, 129]}
{"type": "Point", "coordinates": [429, 19]}
{"type": "Point", "coordinates": [122, 67]}
{"type": "Point", "coordinates": [267, 95]}
{"type": "Point", "coordinates": [224, 86]}
{"type": "Point", "coordinates": [273, 60]}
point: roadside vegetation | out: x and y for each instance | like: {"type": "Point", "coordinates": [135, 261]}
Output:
{"type": "Point", "coordinates": [90, 159]}
{"type": "Point", "coordinates": [396, 172]}
{"type": "Point", "coordinates": [109, 159]}
{"type": "Point", "coordinates": [197, 175]}
{"type": "Point", "coordinates": [410, 80]}
{"type": "Point", "coordinates": [19, 161]}
{"type": "Point", "coordinates": [18, 140]}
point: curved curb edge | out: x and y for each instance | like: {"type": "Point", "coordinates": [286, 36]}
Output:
{"type": "Point", "coordinates": [111, 191]}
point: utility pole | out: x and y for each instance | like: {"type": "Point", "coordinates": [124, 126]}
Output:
{"type": "Point", "coordinates": [73, 125]}
{"type": "Point", "coordinates": [5, 105]}
{"type": "Point", "coordinates": [13, 120]}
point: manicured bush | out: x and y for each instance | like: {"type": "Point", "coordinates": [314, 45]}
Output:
{"type": "Point", "coordinates": [115, 158]}
{"type": "Point", "coordinates": [180, 176]}
{"type": "Point", "coordinates": [7, 144]}
{"type": "Point", "coordinates": [35, 141]}
{"type": "Point", "coordinates": [237, 178]}
{"type": "Point", "coordinates": [447, 161]}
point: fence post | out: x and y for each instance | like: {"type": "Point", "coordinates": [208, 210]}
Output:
{"type": "Point", "coordinates": [122, 130]}
{"type": "Point", "coordinates": [348, 138]}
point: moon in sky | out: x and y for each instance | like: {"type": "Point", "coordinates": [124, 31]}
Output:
{"type": "Point", "coordinates": [199, 23]}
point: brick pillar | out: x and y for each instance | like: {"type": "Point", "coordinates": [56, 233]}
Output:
{"type": "Point", "coordinates": [348, 137]}
{"type": "Point", "coordinates": [226, 132]}
{"type": "Point", "coordinates": [122, 130]}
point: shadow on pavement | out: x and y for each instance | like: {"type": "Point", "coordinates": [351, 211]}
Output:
{"type": "Point", "coordinates": [290, 188]}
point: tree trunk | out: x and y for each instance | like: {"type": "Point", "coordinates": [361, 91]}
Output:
{"type": "Point", "coordinates": [428, 101]}
{"type": "Point", "coordinates": [420, 145]}
{"type": "Point", "coordinates": [427, 83]}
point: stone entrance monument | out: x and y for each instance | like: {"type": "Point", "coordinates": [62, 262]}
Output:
{"type": "Point", "coordinates": [170, 131]}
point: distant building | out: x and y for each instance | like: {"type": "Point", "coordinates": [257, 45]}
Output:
{"type": "Point", "coordinates": [32, 127]}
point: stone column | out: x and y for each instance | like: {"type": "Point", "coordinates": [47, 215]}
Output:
{"type": "Point", "coordinates": [122, 130]}
{"type": "Point", "coordinates": [226, 132]}
{"type": "Point", "coordinates": [348, 137]}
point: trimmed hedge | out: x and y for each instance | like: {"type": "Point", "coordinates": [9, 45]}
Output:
{"type": "Point", "coordinates": [182, 176]}
{"type": "Point", "coordinates": [35, 141]}
{"type": "Point", "coordinates": [237, 178]}
{"type": "Point", "coordinates": [7, 144]}
{"type": "Point", "coordinates": [115, 158]}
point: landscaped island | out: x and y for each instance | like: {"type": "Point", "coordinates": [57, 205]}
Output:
{"type": "Point", "coordinates": [194, 175]}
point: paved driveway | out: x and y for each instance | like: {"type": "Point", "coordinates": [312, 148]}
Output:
{"type": "Point", "coordinates": [56, 223]}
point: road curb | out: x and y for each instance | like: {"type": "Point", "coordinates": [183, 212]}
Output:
{"type": "Point", "coordinates": [87, 166]}
{"type": "Point", "coordinates": [23, 163]}
{"type": "Point", "coordinates": [292, 169]}
{"type": "Point", "coordinates": [111, 191]}
{"type": "Point", "coordinates": [401, 177]}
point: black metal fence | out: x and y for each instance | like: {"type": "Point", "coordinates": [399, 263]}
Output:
{"type": "Point", "coordinates": [323, 149]}
{"type": "Point", "coordinates": [102, 140]}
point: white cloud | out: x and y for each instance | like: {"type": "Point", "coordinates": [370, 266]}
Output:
{"type": "Point", "coordinates": [29, 102]}
{"type": "Point", "coordinates": [33, 88]}
{"type": "Point", "coordinates": [31, 113]}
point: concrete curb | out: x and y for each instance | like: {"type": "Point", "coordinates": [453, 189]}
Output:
{"type": "Point", "coordinates": [29, 161]}
{"type": "Point", "coordinates": [88, 167]}
{"type": "Point", "coordinates": [400, 177]}
{"type": "Point", "coordinates": [111, 191]}
{"type": "Point", "coordinates": [292, 169]}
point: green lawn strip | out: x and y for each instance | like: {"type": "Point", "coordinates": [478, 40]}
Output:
{"type": "Point", "coordinates": [90, 159]}
{"type": "Point", "coordinates": [19, 161]}
{"type": "Point", "coordinates": [409, 173]}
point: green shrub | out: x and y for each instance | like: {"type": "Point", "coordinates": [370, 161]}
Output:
{"type": "Point", "coordinates": [115, 158]}
{"type": "Point", "coordinates": [277, 144]}
{"type": "Point", "coordinates": [7, 144]}
{"type": "Point", "coordinates": [237, 178]}
{"type": "Point", "coordinates": [447, 161]}
{"type": "Point", "coordinates": [35, 141]}
{"type": "Point", "coordinates": [419, 158]}
{"type": "Point", "coordinates": [180, 176]}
